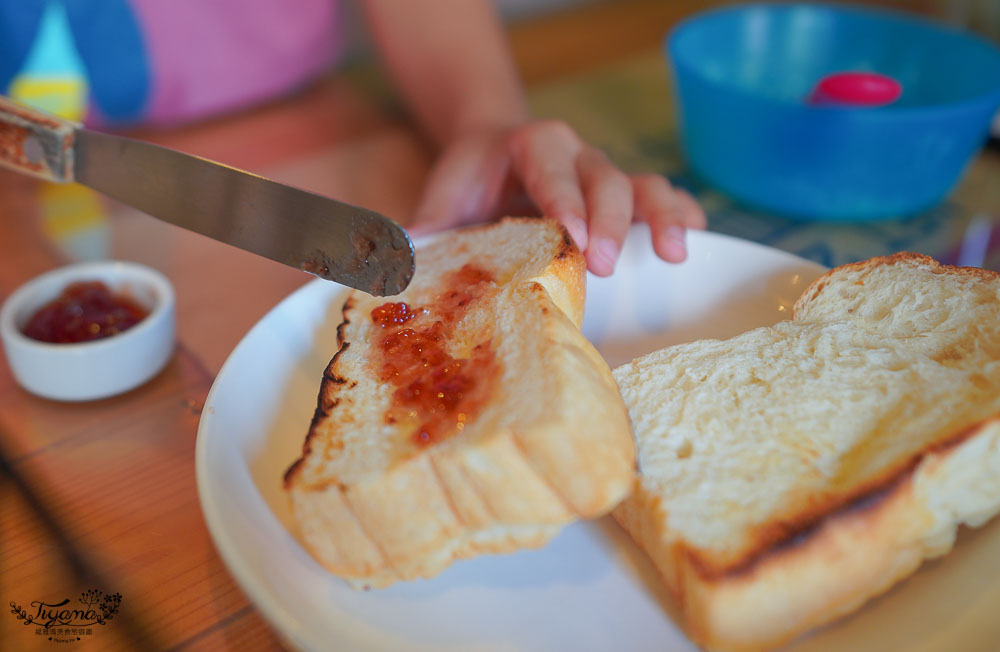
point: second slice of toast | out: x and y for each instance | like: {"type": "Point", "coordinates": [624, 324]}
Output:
{"type": "Point", "coordinates": [789, 474]}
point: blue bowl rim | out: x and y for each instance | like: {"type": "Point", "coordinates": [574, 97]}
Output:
{"type": "Point", "coordinates": [670, 48]}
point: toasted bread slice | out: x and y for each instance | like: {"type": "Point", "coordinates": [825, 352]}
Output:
{"type": "Point", "coordinates": [791, 473]}
{"type": "Point", "coordinates": [466, 415]}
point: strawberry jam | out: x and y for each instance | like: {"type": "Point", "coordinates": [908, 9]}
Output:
{"type": "Point", "coordinates": [86, 310]}
{"type": "Point", "coordinates": [436, 393]}
{"type": "Point", "coordinates": [392, 314]}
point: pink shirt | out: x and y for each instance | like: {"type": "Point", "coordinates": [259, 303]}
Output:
{"type": "Point", "coordinates": [212, 56]}
{"type": "Point", "coordinates": [162, 61]}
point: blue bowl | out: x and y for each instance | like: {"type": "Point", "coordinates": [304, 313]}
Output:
{"type": "Point", "coordinates": [742, 75]}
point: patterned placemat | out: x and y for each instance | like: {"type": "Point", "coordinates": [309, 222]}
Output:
{"type": "Point", "coordinates": [627, 109]}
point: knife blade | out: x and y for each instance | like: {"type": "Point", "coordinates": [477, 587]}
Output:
{"type": "Point", "coordinates": [330, 239]}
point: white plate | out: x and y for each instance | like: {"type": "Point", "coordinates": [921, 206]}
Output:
{"type": "Point", "coordinates": [590, 588]}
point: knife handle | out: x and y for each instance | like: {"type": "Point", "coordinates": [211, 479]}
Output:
{"type": "Point", "coordinates": [36, 143]}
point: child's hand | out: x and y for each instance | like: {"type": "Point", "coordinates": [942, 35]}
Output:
{"type": "Point", "coordinates": [483, 174]}
{"type": "Point", "coordinates": [452, 65]}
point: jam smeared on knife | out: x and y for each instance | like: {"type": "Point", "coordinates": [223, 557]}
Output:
{"type": "Point", "coordinates": [436, 391]}
{"type": "Point", "coordinates": [85, 311]}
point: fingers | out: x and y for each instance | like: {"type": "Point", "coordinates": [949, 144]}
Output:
{"type": "Point", "coordinates": [669, 212]}
{"type": "Point", "coordinates": [566, 179]}
{"type": "Point", "coordinates": [691, 211]}
{"type": "Point", "coordinates": [543, 156]}
{"type": "Point", "coordinates": [449, 190]}
{"type": "Point", "coordinates": [607, 192]}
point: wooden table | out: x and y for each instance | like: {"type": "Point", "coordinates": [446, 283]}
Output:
{"type": "Point", "coordinates": [102, 495]}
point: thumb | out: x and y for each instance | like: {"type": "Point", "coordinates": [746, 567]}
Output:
{"type": "Point", "coordinates": [463, 186]}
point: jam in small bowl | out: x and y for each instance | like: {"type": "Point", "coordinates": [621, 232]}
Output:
{"type": "Point", "coordinates": [83, 312]}
{"type": "Point", "coordinates": [89, 331]}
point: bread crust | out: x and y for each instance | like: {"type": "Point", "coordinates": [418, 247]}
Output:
{"type": "Point", "coordinates": [775, 537]}
{"type": "Point", "coordinates": [908, 258]}
{"type": "Point", "coordinates": [819, 573]}
{"type": "Point", "coordinates": [496, 492]}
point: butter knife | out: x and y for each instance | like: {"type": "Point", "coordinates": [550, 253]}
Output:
{"type": "Point", "coordinates": [330, 239]}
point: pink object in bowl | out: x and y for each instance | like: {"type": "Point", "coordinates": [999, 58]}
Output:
{"type": "Point", "coordinates": [856, 89]}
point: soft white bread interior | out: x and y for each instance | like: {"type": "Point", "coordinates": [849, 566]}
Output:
{"type": "Point", "coordinates": [791, 473]}
{"type": "Point", "coordinates": [536, 437]}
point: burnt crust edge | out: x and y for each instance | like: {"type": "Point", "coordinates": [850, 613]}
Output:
{"type": "Point", "coordinates": [567, 244]}
{"type": "Point", "coordinates": [783, 538]}
{"type": "Point", "coordinates": [330, 382]}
